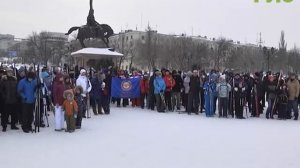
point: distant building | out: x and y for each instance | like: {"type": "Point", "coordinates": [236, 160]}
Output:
{"type": "Point", "coordinates": [6, 41]}
{"type": "Point", "coordinates": [126, 42]}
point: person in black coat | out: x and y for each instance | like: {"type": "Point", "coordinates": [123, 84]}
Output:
{"type": "Point", "coordinates": [249, 83]}
{"type": "Point", "coordinates": [151, 104]}
{"type": "Point", "coordinates": [239, 96]}
{"type": "Point", "coordinates": [176, 92]}
{"type": "Point", "coordinates": [95, 93]}
{"type": "Point", "coordinates": [9, 96]}
{"type": "Point", "coordinates": [193, 95]}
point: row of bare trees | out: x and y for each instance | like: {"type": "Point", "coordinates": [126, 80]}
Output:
{"type": "Point", "coordinates": [41, 48]}
{"type": "Point", "coordinates": [185, 53]}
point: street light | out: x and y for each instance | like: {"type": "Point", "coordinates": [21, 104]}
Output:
{"type": "Point", "coordinates": [268, 53]}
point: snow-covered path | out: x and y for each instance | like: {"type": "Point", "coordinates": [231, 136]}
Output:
{"type": "Point", "coordinates": [135, 138]}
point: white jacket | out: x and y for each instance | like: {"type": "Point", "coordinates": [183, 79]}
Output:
{"type": "Point", "coordinates": [85, 83]}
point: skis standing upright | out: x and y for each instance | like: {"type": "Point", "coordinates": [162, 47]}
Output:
{"type": "Point", "coordinates": [37, 109]}
{"type": "Point", "coordinates": [276, 98]}
{"type": "Point", "coordinates": [88, 99]}
{"type": "Point", "coordinates": [256, 100]}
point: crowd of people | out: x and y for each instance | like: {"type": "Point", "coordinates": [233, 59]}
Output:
{"type": "Point", "coordinates": [70, 95]}
{"type": "Point", "coordinates": [218, 94]}
{"type": "Point", "coordinates": [67, 95]}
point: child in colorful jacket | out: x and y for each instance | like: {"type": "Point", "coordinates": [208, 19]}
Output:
{"type": "Point", "coordinates": [70, 107]}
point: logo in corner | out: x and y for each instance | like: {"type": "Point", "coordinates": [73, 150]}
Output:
{"type": "Point", "coordinates": [126, 85]}
{"type": "Point", "coordinates": [277, 1]}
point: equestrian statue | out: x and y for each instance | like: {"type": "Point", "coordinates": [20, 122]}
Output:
{"type": "Point", "coordinates": [92, 29]}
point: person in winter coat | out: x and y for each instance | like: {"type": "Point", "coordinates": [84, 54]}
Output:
{"type": "Point", "coordinates": [203, 79]}
{"type": "Point", "coordinates": [293, 93]}
{"type": "Point", "coordinates": [282, 101]}
{"type": "Point", "coordinates": [136, 102]}
{"type": "Point", "coordinates": [86, 85]}
{"type": "Point", "coordinates": [210, 94]}
{"type": "Point", "coordinates": [26, 89]}
{"type": "Point", "coordinates": [71, 108]}
{"type": "Point", "coordinates": [194, 93]}
{"type": "Point", "coordinates": [258, 94]}
{"type": "Point", "coordinates": [20, 75]}
{"type": "Point", "coordinates": [159, 89]}
{"type": "Point", "coordinates": [9, 97]}
{"type": "Point", "coordinates": [58, 100]}
{"type": "Point", "coordinates": [272, 93]}
{"type": "Point", "coordinates": [186, 84]}
{"type": "Point", "coordinates": [170, 83]}
{"type": "Point", "coordinates": [95, 93]}
{"type": "Point", "coordinates": [151, 91]}
{"type": "Point", "coordinates": [223, 89]}
{"type": "Point", "coordinates": [176, 91]}
{"type": "Point", "coordinates": [249, 82]}
{"type": "Point", "coordinates": [81, 106]}
{"type": "Point", "coordinates": [144, 85]}
{"type": "Point", "coordinates": [239, 96]}
{"type": "Point", "coordinates": [107, 81]}
{"type": "Point", "coordinates": [68, 83]}
{"type": "Point", "coordinates": [105, 100]}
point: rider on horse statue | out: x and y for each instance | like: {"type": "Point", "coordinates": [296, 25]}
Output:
{"type": "Point", "coordinates": [91, 22]}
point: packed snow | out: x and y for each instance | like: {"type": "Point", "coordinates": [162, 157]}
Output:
{"type": "Point", "coordinates": [136, 138]}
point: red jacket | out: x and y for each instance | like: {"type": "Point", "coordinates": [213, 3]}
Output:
{"type": "Point", "coordinates": [170, 82]}
{"type": "Point", "coordinates": [58, 92]}
{"type": "Point", "coordinates": [144, 85]}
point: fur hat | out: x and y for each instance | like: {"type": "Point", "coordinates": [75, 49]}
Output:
{"type": "Point", "coordinates": [67, 93]}
{"type": "Point", "coordinates": [78, 88]}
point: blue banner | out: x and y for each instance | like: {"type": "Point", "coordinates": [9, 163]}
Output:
{"type": "Point", "coordinates": [125, 87]}
{"type": "Point", "coordinates": [12, 54]}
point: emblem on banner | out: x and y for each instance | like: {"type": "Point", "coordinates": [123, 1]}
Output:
{"type": "Point", "coordinates": [126, 85]}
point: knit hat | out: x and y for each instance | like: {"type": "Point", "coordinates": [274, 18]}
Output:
{"type": "Point", "coordinates": [189, 73]}
{"type": "Point", "coordinates": [82, 71]}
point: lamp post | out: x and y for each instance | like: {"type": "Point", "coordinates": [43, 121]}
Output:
{"type": "Point", "coordinates": [268, 53]}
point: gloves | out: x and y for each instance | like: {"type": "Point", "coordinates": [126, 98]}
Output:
{"type": "Point", "coordinates": [243, 89]}
{"type": "Point", "coordinates": [236, 89]}
{"type": "Point", "coordinates": [75, 115]}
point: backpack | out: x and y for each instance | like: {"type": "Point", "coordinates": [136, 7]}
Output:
{"type": "Point", "coordinates": [223, 89]}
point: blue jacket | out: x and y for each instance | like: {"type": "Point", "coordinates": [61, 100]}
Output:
{"type": "Point", "coordinates": [96, 88]}
{"type": "Point", "coordinates": [159, 84]}
{"type": "Point", "coordinates": [26, 90]}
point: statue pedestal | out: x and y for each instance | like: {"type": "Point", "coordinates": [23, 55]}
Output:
{"type": "Point", "coordinates": [92, 43]}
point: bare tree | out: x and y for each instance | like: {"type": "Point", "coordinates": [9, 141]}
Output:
{"type": "Point", "coordinates": [223, 49]}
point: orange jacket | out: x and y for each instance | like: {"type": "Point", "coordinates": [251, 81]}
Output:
{"type": "Point", "coordinates": [170, 82]}
{"type": "Point", "coordinates": [70, 107]}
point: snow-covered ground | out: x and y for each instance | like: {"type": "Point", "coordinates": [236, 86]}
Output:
{"type": "Point", "coordinates": [135, 138]}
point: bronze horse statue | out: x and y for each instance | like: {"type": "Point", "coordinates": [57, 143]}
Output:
{"type": "Point", "coordinates": [92, 29]}
{"type": "Point", "coordinates": [87, 32]}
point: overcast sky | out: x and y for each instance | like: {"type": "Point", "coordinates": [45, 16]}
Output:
{"type": "Point", "coordinates": [240, 20]}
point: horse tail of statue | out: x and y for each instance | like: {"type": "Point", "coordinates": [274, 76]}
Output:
{"type": "Point", "coordinates": [71, 30]}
